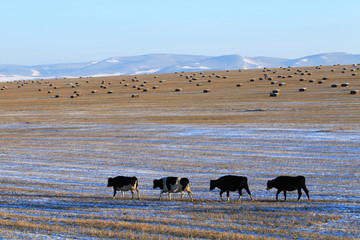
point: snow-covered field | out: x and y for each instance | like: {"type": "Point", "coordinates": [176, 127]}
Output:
{"type": "Point", "coordinates": [53, 181]}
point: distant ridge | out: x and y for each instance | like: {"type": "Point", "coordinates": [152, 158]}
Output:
{"type": "Point", "coordinates": [165, 63]}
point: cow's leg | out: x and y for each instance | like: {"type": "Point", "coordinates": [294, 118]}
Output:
{"type": "Point", "coordinates": [169, 196]}
{"type": "Point", "coordinates": [307, 192]}
{"type": "Point", "coordinates": [114, 193]}
{"type": "Point", "coordinates": [240, 195]}
{"type": "Point", "coordinates": [182, 194]}
{"type": "Point", "coordinates": [248, 191]}
{"type": "Point", "coordinates": [277, 194]}
{"type": "Point", "coordinates": [228, 195]}
{"type": "Point", "coordinates": [299, 193]}
{"type": "Point", "coordinates": [284, 195]}
{"type": "Point", "coordinates": [190, 194]}
{"type": "Point", "coordinates": [123, 194]}
{"type": "Point", "coordinates": [138, 193]}
{"type": "Point", "coordinates": [161, 192]}
{"type": "Point", "coordinates": [221, 192]}
{"type": "Point", "coordinates": [132, 194]}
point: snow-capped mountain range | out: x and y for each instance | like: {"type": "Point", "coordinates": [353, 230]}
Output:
{"type": "Point", "coordinates": [165, 63]}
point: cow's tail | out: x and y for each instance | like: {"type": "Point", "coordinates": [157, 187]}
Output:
{"type": "Point", "coordinates": [184, 183]}
{"type": "Point", "coordinates": [136, 182]}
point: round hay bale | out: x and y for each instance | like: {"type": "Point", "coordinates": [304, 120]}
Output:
{"type": "Point", "coordinates": [145, 90]}
{"type": "Point", "coordinates": [239, 85]}
{"type": "Point", "coordinates": [199, 84]}
{"type": "Point", "coordinates": [94, 91]}
{"type": "Point", "coordinates": [109, 92]}
{"type": "Point", "coordinates": [355, 92]}
{"type": "Point", "coordinates": [58, 96]}
{"type": "Point", "coordinates": [277, 91]}
{"type": "Point", "coordinates": [209, 80]}
{"type": "Point", "coordinates": [207, 90]}
{"type": "Point", "coordinates": [50, 91]}
{"type": "Point", "coordinates": [311, 80]}
{"type": "Point", "coordinates": [302, 80]}
{"type": "Point", "coordinates": [162, 81]}
{"type": "Point", "coordinates": [335, 85]}
{"type": "Point", "coordinates": [73, 96]}
{"type": "Point", "coordinates": [252, 80]}
{"type": "Point", "coordinates": [155, 87]}
{"type": "Point", "coordinates": [40, 89]}
{"type": "Point", "coordinates": [79, 94]}
{"type": "Point", "coordinates": [135, 95]}
{"type": "Point", "coordinates": [321, 81]}
{"type": "Point", "coordinates": [325, 78]}
{"type": "Point", "coordinates": [309, 73]}
{"type": "Point", "coordinates": [345, 84]}
{"type": "Point", "coordinates": [178, 89]}
{"type": "Point", "coordinates": [354, 74]}
{"type": "Point", "coordinates": [282, 84]}
{"type": "Point", "coordinates": [274, 94]}
{"type": "Point", "coordinates": [270, 79]}
{"type": "Point", "coordinates": [304, 89]}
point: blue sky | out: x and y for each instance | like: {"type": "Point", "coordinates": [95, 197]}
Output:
{"type": "Point", "coordinates": [61, 31]}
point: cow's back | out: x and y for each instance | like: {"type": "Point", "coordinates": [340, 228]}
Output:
{"type": "Point", "coordinates": [231, 182]}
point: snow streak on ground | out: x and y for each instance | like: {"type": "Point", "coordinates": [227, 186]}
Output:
{"type": "Point", "coordinates": [61, 171]}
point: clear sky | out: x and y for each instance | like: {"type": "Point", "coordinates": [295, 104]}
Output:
{"type": "Point", "coordinates": [60, 31]}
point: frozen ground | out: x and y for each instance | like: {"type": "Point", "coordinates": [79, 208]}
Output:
{"type": "Point", "coordinates": [55, 175]}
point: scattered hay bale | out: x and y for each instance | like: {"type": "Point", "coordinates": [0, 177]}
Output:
{"type": "Point", "coordinates": [40, 89]}
{"type": "Point", "coordinates": [252, 80]}
{"type": "Point", "coordinates": [58, 96]}
{"type": "Point", "coordinates": [155, 87]}
{"type": "Point", "coordinates": [207, 90]}
{"type": "Point", "coordinates": [178, 89]}
{"type": "Point", "coordinates": [94, 91]}
{"type": "Point", "coordinates": [311, 80]}
{"type": "Point", "coordinates": [162, 81]}
{"type": "Point", "coordinates": [302, 80]}
{"type": "Point", "coordinates": [145, 90]}
{"type": "Point", "coordinates": [335, 85]}
{"type": "Point", "coordinates": [135, 96]}
{"type": "Point", "coordinates": [209, 80]}
{"type": "Point", "coordinates": [321, 81]}
{"type": "Point", "coordinates": [345, 84]}
{"type": "Point", "coordinates": [282, 84]}
{"type": "Point", "coordinates": [274, 94]}
{"type": "Point", "coordinates": [239, 85]}
{"type": "Point", "coordinates": [199, 84]}
{"type": "Point", "coordinates": [355, 92]}
{"type": "Point", "coordinates": [109, 92]}
{"type": "Point", "coordinates": [325, 78]}
{"type": "Point", "coordinates": [73, 96]}
{"type": "Point", "coordinates": [274, 82]}
{"type": "Point", "coordinates": [79, 94]}
{"type": "Point", "coordinates": [304, 89]}
{"type": "Point", "coordinates": [354, 74]}
{"type": "Point", "coordinates": [276, 91]}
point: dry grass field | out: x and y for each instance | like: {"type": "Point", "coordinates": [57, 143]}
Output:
{"type": "Point", "coordinates": [56, 154]}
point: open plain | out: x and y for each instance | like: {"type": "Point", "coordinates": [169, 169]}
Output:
{"type": "Point", "coordinates": [60, 140]}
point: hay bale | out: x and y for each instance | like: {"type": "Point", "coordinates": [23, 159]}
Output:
{"type": "Point", "coordinates": [135, 96]}
{"type": "Point", "coordinates": [304, 89]}
{"type": "Point", "coordinates": [199, 84]}
{"type": "Point", "coordinates": [50, 91]}
{"type": "Point", "coordinates": [178, 89]}
{"type": "Point", "coordinates": [276, 91]}
{"type": "Point", "coordinates": [321, 81]}
{"type": "Point", "coordinates": [252, 80]}
{"type": "Point", "coordinates": [109, 92]}
{"type": "Point", "coordinates": [274, 82]}
{"type": "Point", "coordinates": [345, 84]}
{"type": "Point", "coordinates": [274, 94]}
{"type": "Point", "coordinates": [335, 85]}
{"type": "Point", "coordinates": [209, 80]}
{"type": "Point", "coordinates": [94, 91]}
{"type": "Point", "coordinates": [355, 92]}
{"type": "Point", "coordinates": [58, 96]}
{"type": "Point", "coordinates": [40, 89]}
{"type": "Point", "coordinates": [239, 85]}
{"type": "Point", "coordinates": [155, 87]}
{"type": "Point", "coordinates": [325, 78]}
{"type": "Point", "coordinates": [207, 90]}
{"type": "Point", "coordinates": [311, 80]}
{"type": "Point", "coordinates": [302, 80]}
{"type": "Point", "coordinates": [162, 81]}
{"type": "Point", "coordinates": [282, 84]}
{"type": "Point", "coordinates": [73, 96]}
{"type": "Point", "coordinates": [145, 90]}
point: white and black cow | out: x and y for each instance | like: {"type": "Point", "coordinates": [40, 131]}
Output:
{"type": "Point", "coordinates": [121, 183]}
{"type": "Point", "coordinates": [173, 185]}
{"type": "Point", "coordinates": [230, 183]}
{"type": "Point", "coordinates": [288, 183]}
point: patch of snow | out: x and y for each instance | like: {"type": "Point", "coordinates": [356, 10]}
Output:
{"type": "Point", "coordinates": [148, 71]}
{"type": "Point", "coordinates": [112, 61]}
{"type": "Point", "coordinates": [35, 73]}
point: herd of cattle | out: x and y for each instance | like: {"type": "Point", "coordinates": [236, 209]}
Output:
{"type": "Point", "coordinates": [228, 183]}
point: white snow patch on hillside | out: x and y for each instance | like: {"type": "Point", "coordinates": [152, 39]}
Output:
{"type": "Point", "coordinates": [35, 73]}
{"type": "Point", "coordinates": [112, 61]}
{"type": "Point", "coordinates": [148, 71]}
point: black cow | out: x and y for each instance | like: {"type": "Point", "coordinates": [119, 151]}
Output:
{"type": "Point", "coordinates": [288, 183]}
{"type": "Point", "coordinates": [121, 183]}
{"type": "Point", "coordinates": [173, 185]}
{"type": "Point", "coordinates": [230, 183]}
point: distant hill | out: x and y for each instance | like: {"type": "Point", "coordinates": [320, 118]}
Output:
{"type": "Point", "coordinates": [163, 63]}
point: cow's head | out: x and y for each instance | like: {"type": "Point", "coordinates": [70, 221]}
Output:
{"type": "Point", "coordinates": [110, 182]}
{"type": "Point", "coordinates": [212, 184]}
{"type": "Point", "coordinates": [158, 183]}
{"type": "Point", "coordinates": [269, 185]}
